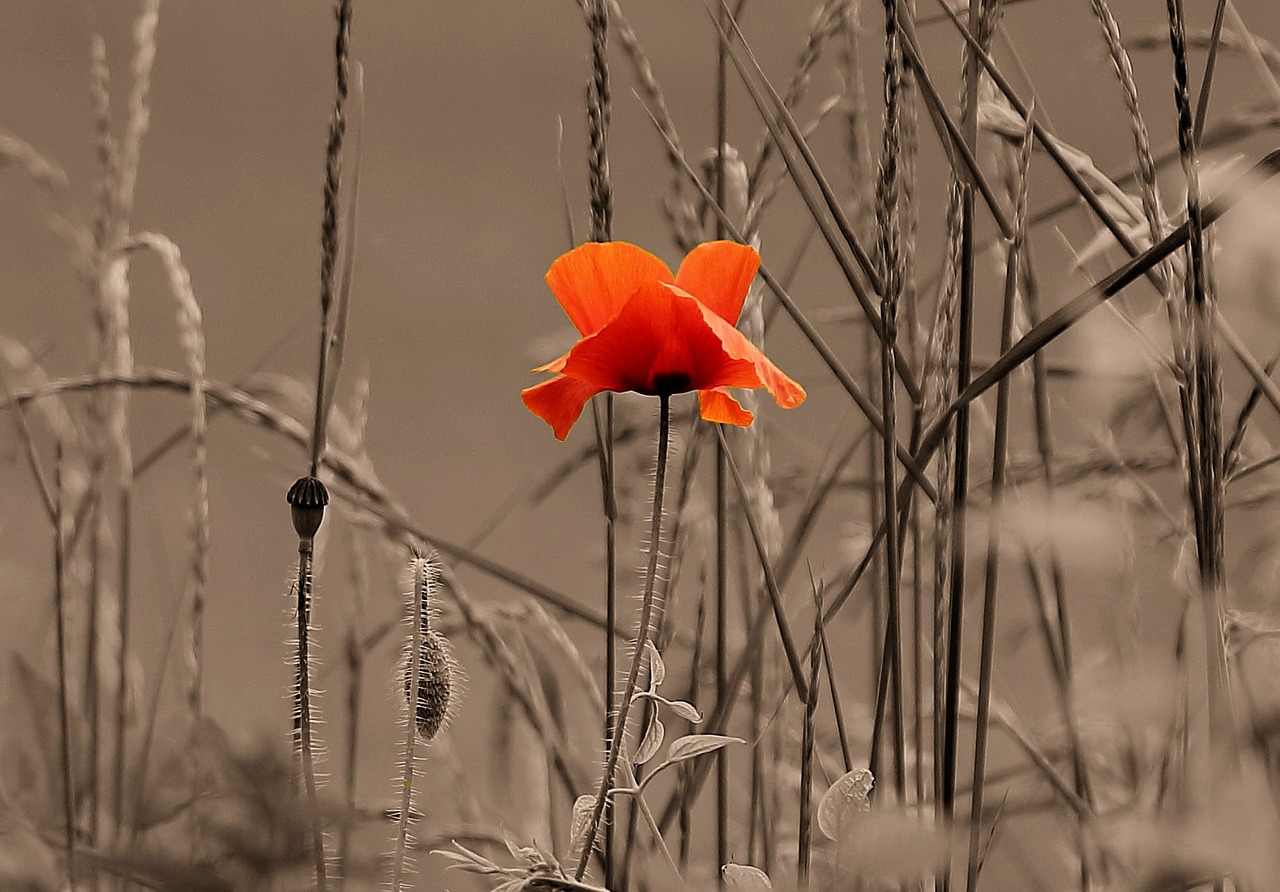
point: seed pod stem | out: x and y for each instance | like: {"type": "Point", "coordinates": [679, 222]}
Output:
{"type": "Point", "coordinates": [428, 684]}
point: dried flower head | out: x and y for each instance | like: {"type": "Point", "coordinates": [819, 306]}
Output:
{"type": "Point", "coordinates": [307, 499]}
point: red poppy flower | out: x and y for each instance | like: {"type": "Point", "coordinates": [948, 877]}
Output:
{"type": "Point", "coordinates": [648, 331]}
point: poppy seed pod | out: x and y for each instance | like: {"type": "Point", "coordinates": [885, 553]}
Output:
{"type": "Point", "coordinates": [428, 652]}
{"type": "Point", "coordinates": [307, 498]}
{"type": "Point", "coordinates": [435, 685]}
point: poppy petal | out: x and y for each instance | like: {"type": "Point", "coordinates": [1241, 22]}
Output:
{"type": "Point", "coordinates": [717, 405]}
{"type": "Point", "coordinates": [596, 279]}
{"type": "Point", "coordinates": [660, 342]}
{"type": "Point", "coordinates": [555, 365]}
{"type": "Point", "coordinates": [559, 401]}
{"type": "Point", "coordinates": [786, 392]}
{"type": "Point", "coordinates": [719, 274]}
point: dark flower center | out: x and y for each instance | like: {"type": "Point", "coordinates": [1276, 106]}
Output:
{"type": "Point", "coordinates": [671, 382]}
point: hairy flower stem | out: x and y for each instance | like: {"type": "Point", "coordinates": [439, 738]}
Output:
{"type": "Point", "coordinates": [411, 734]}
{"type": "Point", "coordinates": [605, 437]}
{"type": "Point", "coordinates": [302, 735]}
{"type": "Point", "coordinates": [617, 733]}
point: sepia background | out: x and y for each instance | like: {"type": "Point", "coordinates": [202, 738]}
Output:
{"type": "Point", "coordinates": [470, 111]}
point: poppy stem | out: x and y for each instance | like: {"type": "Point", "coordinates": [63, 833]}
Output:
{"type": "Point", "coordinates": [617, 732]}
{"type": "Point", "coordinates": [303, 719]}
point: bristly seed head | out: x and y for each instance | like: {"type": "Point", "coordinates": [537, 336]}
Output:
{"type": "Point", "coordinates": [435, 684]}
{"type": "Point", "coordinates": [437, 669]}
{"type": "Point", "coordinates": [307, 499]}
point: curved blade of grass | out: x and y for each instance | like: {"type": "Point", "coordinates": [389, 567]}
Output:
{"type": "Point", "coordinates": [1223, 134]}
{"type": "Point", "coordinates": [766, 566]}
{"type": "Point", "coordinates": [948, 132]}
{"type": "Point", "coordinates": [837, 368]}
{"type": "Point", "coordinates": [372, 495]}
{"type": "Point", "coordinates": [717, 721]}
{"type": "Point", "coordinates": [999, 462]}
{"type": "Point", "coordinates": [952, 140]}
{"type": "Point", "coordinates": [1073, 311]}
{"type": "Point", "coordinates": [819, 209]}
{"type": "Point", "coordinates": [783, 117]}
{"type": "Point", "coordinates": [1049, 143]}
{"type": "Point", "coordinates": [804, 840]}
{"type": "Point", "coordinates": [29, 450]}
{"type": "Point", "coordinates": [1210, 66]}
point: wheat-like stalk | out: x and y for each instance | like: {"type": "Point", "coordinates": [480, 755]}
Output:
{"type": "Point", "coordinates": [191, 338]}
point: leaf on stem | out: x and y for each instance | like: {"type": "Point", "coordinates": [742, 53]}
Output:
{"type": "Point", "coordinates": [583, 806]}
{"type": "Point", "coordinates": [844, 801]}
{"type": "Point", "coordinates": [745, 878]}
{"type": "Point", "coordinates": [693, 745]}
{"type": "Point", "coordinates": [657, 668]}
{"type": "Point", "coordinates": [654, 735]}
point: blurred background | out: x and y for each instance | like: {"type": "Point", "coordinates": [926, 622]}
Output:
{"type": "Point", "coordinates": [469, 111]}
